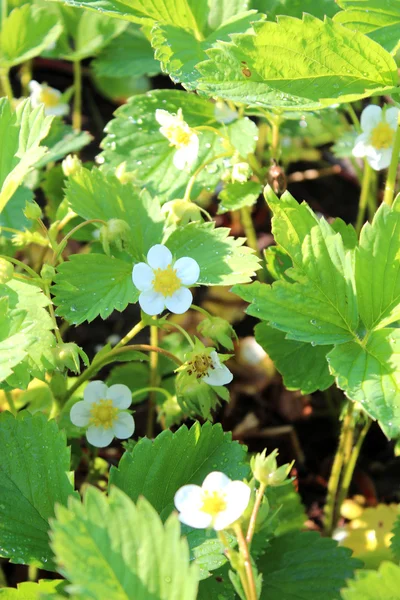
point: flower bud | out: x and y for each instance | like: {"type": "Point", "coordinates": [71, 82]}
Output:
{"type": "Point", "coordinates": [266, 471]}
{"type": "Point", "coordinates": [67, 356]}
{"type": "Point", "coordinates": [115, 232]}
{"type": "Point", "coordinates": [47, 273]}
{"type": "Point", "coordinates": [71, 164]}
{"type": "Point", "coordinates": [32, 211]}
{"type": "Point", "coordinates": [219, 330]}
{"type": "Point", "coordinates": [6, 271]}
{"type": "Point", "coordinates": [180, 212]}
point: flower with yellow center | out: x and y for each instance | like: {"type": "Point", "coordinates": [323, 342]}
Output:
{"type": "Point", "coordinates": [179, 135]}
{"type": "Point", "coordinates": [163, 282]}
{"type": "Point", "coordinates": [207, 367]}
{"type": "Point", "coordinates": [42, 94]}
{"type": "Point", "coordinates": [218, 503]}
{"type": "Point", "coordinates": [103, 412]}
{"type": "Point", "coordinates": [375, 143]}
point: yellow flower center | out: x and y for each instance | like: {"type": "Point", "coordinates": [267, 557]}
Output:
{"type": "Point", "coordinates": [103, 414]}
{"type": "Point", "coordinates": [382, 136]}
{"type": "Point", "coordinates": [178, 136]}
{"type": "Point", "coordinates": [213, 503]}
{"type": "Point", "coordinates": [166, 281]}
{"type": "Point", "coordinates": [48, 97]}
{"type": "Point", "coordinates": [200, 365]}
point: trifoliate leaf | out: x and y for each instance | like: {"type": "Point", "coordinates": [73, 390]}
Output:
{"type": "Point", "coordinates": [156, 470]}
{"type": "Point", "coordinates": [89, 285]}
{"type": "Point", "coordinates": [368, 371]}
{"type": "Point", "coordinates": [303, 367]}
{"type": "Point", "coordinates": [34, 476]}
{"type": "Point", "coordinates": [128, 55]}
{"type": "Point", "coordinates": [24, 129]}
{"type": "Point", "coordinates": [378, 268]}
{"type": "Point", "coordinates": [374, 585]}
{"type": "Point", "coordinates": [27, 305]}
{"type": "Point", "coordinates": [25, 33]}
{"type": "Point", "coordinates": [95, 195]}
{"type": "Point", "coordinates": [378, 20]}
{"type": "Point", "coordinates": [237, 195]}
{"type": "Point", "coordinates": [110, 548]}
{"type": "Point", "coordinates": [134, 137]}
{"type": "Point", "coordinates": [297, 63]}
{"type": "Point", "coordinates": [292, 555]}
{"type": "Point", "coordinates": [29, 590]}
{"type": "Point", "coordinates": [223, 260]}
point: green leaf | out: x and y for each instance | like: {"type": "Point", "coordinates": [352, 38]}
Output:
{"type": "Point", "coordinates": [62, 140]}
{"type": "Point", "coordinates": [304, 566]}
{"type": "Point", "coordinates": [89, 285]}
{"type": "Point", "coordinates": [217, 587]}
{"type": "Point", "coordinates": [395, 541]}
{"type": "Point", "coordinates": [24, 129]}
{"type": "Point", "coordinates": [379, 19]}
{"type": "Point", "coordinates": [179, 50]}
{"type": "Point", "coordinates": [110, 548]}
{"type": "Point", "coordinates": [303, 367]}
{"type": "Point", "coordinates": [12, 214]}
{"type": "Point", "coordinates": [156, 470]}
{"type": "Point", "coordinates": [295, 8]}
{"type": "Point", "coordinates": [13, 346]}
{"type": "Point", "coordinates": [134, 137]}
{"type": "Point", "coordinates": [382, 584]}
{"type": "Point", "coordinates": [28, 304]}
{"type": "Point", "coordinates": [128, 55]}
{"type": "Point", "coordinates": [301, 62]}
{"type": "Point", "coordinates": [34, 476]}
{"type": "Point", "coordinates": [223, 260]}
{"type": "Point", "coordinates": [291, 514]}
{"type": "Point", "coordinates": [368, 372]}
{"type": "Point", "coordinates": [378, 268]}
{"type": "Point", "coordinates": [25, 33]}
{"type": "Point", "coordinates": [33, 591]}
{"type": "Point", "coordinates": [96, 195]}
{"type": "Point", "coordinates": [237, 195]}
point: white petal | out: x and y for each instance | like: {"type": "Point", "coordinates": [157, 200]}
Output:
{"type": "Point", "coordinates": [180, 301]}
{"type": "Point", "coordinates": [192, 149]}
{"type": "Point", "coordinates": [99, 437]}
{"type": "Point", "coordinates": [195, 518]}
{"type": "Point", "coordinates": [95, 391]}
{"type": "Point", "coordinates": [360, 147]}
{"type": "Point", "coordinates": [381, 159]}
{"type": "Point", "coordinates": [187, 270]}
{"type": "Point", "coordinates": [121, 395]}
{"type": "Point", "coordinates": [180, 158]}
{"type": "Point", "coordinates": [237, 498]}
{"type": "Point", "coordinates": [34, 86]}
{"type": "Point", "coordinates": [391, 116]}
{"type": "Point", "coordinates": [188, 497]}
{"type": "Point", "coordinates": [142, 277]}
{"type": "Point", "coordinates": [164, 118]}
{"type": "Point", "coordinates": [220, 376]}
{"type": "Point", "coordinates": [152, 303]}
{"type": "Point", "coordinates": [80, 414]}
{"type": "Point", "coordinates": [124, 426]}
{"type": "Point", "coordinates": [215, 360]}
{"type": "Point", "coordinates": [370, 118]}
{"type": "Point", "coordinates": [159, 257]}
{"type": "Point", "coordinates": [58, 111]}
{"type": "Point", "coordinates": [215, 481]}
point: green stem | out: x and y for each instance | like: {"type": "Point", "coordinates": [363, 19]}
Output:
{"type": "Point", "coordinates": [346, 435]}
{"type": "Point", "coordinates": [392, 173]}
{"type": "Point", "coordinates": [153, 381]}
{"type": "Point", "coordinates": [107, 358]}
{"type": "Point", "coordinates": [52, 314]}
{"type": "Point", "coordinates": [228, 553]}
{"type": "Point", "coordinates": [131, 334]}
{"type": "Point", "coordinates": [28, 269]}
{"type": "Point", "coordinates": [193, 178]}
{"type": "Point", "coordinates": [275, 140]}
{"type": "Point", "coordinates": [5, 82]}
{"type": "Point", "coordinates": [4, 11]}
{"type": "Point", "coordinates": [182, 331]}
{"type": "Point", "coordinates": [250, 233]}
{"type": "Point", "coordinates": [363, 196]}
{"type": "Point", "coordinates": [353, 117]}
{"type": "Point", "coordinates": [244, 551]}
{"type": "Point", "coordinates": [256, 508]}
{"type": "Point", "coordinates": [60, 247]}
{"type": "Point", "coordinates": [26, 76]}
{"type": "Point", "coordinates": [157, 390]}
{"type": "Point", "coordinates": [77, 110]}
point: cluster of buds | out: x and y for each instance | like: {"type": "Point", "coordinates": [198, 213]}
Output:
{"type": "Point", "coordinates": [266, 471]}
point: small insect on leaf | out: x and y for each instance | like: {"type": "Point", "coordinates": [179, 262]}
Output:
{"type": "Point", "coordinates": [245, 69]}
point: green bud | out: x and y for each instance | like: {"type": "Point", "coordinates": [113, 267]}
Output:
{"type": "Point", "coordinates": [265, 468]}
{"type": "Point", "coordinates": [6, 271]}
{"type": "Point", "coordinates": [180, 212]}
{"type": "Point", "coordinates": [67, 356]}
{"type": "Point", "coordinates": [32, 211]}
{"type": "Point", "coordinates": [115, 232]}
{"type": "Point", "coordinates": [47, 273]}
{"type": "Point", "coordinates": [219, 330]}
{"type": "Point", "coordinates": [71, 164]}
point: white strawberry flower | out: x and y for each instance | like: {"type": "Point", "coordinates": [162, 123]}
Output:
{"type": "Point", "coordinates": [218, 503]}
{"type": "Point", "coordinates": [208, 367]}
{"type": "Point", "coordinates": [163, 282]}
{"type": "Point", "coordinates": [375, 143]}
{"type": "Point", "coordinates": [103, 412]}
{"type": "Point", "coordinates": [41, 93]}
{"type": "Point", "coordinates": [179, 135]}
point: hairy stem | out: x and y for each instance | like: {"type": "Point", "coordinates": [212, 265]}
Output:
{"type": "Point", "coordinates": [244, 551]}
{"type": "Point", "coordinates": [253, 518]}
